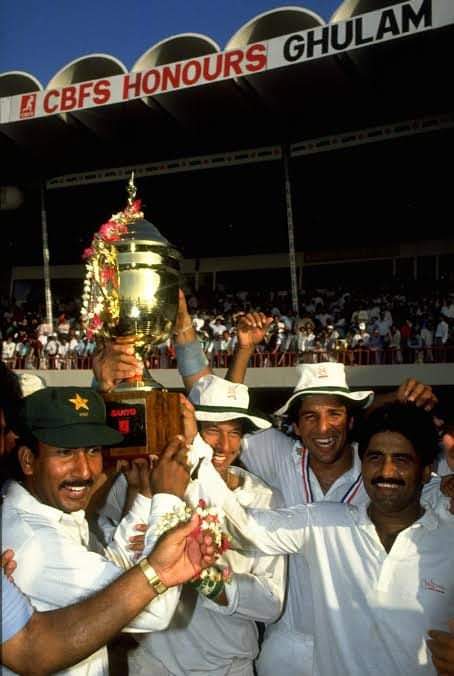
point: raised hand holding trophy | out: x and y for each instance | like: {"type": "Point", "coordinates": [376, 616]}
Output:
{"type": "Point", "coordinates": [131, 296]}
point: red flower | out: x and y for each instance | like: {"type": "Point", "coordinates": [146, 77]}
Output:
{"type": "Point", "coordinates": [136, 206]}
{"type": "Point", "coordinates": [122, 228]}
{"type": "Point", "coordinates": [202, 504]}
{"type": "Point", "coordinates": [225, 544]}
{"type": "Point", "coordinates": [88, 252]}
{"type": "Point", "coordinates": [108, 275]}
{"type": "Point", "coordinates": [111, 231]}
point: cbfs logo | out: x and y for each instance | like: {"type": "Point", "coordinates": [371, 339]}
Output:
{"type": "Point", "coordinates": [27, 106]}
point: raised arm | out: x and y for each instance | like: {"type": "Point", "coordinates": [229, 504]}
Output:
{"type": "Point", "coordinates": [191, 360]}
{"type": "Point", "coordinates": [251, 330]}
{"type": "Point", "coordinates": [410, 390]}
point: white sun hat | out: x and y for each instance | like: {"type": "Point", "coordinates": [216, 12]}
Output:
{"type": "Point", "coordinates": [30, 382]}
{"type": "Point", "coordinates": [326, 378]}
{"type": "Point", "coordinates": [218, 400]}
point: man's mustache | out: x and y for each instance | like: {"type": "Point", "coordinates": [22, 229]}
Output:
{"type": "Point", "coordinates": [77, 483]}
{"type": "Point", "coordinates": [382, 480]}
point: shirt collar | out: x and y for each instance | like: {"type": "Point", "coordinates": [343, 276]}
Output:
{"type": "Point", "coordinates": [428, 520]}
{"type": "Point", "coordinates": [24, 500]}
{"type": "Point", "coordinates": [350, 474]}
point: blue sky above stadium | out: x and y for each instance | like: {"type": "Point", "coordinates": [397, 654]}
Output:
{"type": "Point", "coordinates": [42, 36]}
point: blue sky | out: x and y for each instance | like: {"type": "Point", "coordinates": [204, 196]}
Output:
{"type": "Point", "coordinates": [41, 36]}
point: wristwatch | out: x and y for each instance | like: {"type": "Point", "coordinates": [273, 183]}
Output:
{"type": "Point", "coordinates": [153, 579]}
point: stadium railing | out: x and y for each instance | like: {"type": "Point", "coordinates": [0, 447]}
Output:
{"type": "Point", "coordinates": [439, 354]}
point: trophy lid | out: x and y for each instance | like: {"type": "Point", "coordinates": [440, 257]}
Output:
{"type": "Point", "coordinates": [145, 231]}
{"type": "Point", "coordinates": [138, 228]}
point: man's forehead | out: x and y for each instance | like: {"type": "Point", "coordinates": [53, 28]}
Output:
{"type": "Point", "coordinates": [48, 448]}
{"type": "Point", "coordinates": [234, 423]}
{"type": "Point", "coordinates": [391, 443]}
{"type": "Point", "coordinates": [318, 401]}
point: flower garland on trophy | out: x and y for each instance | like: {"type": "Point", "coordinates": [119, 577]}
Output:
{"type": "Point", "coordinates": [100, 299]}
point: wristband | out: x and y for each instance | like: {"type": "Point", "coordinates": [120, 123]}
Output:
{"type": "Point", "coordinates": [190, 358]}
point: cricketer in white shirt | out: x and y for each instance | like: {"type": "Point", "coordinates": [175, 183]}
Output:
{"type": "Point", "coordinates": [283, 464]}
{"type": "Point", "coordinates": [60, 563]}
{"type": "Point", "coordinates": [371, 608]}
{"type": "Point", "coordinates": [203, 636]}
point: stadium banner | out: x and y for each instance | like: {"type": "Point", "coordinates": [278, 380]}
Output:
{"type": "Point", "coordinates": [372, 28]}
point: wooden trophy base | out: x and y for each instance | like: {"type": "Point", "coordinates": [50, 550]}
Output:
{"type": "Point", "coordinates": [148, 420]}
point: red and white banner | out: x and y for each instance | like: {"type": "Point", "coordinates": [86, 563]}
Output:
{"type": "Point", "coordinates": [391, 23]}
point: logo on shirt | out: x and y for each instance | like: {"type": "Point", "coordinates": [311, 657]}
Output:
{"type": "Point", "coordinates": [430, 585]}
{"type": "Point", "coordinates": [322, 372]}
{"type": "Point", "coordinates": [27, 106]}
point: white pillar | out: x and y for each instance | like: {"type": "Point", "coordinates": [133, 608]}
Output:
{"type": "Point", "coordinates": [291, 232]}
{"type": "Point", "coordinates": [46, 257]}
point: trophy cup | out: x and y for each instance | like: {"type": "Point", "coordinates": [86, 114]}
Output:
{"type": "Point", "coordinates": [131, 292]}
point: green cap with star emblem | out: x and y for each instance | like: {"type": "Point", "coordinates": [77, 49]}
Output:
{"type": "Point", "coordinates": [66, 417]}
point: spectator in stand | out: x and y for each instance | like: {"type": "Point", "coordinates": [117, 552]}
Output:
{"type": "Point", "coordinates": [441, 332]}
{"type": "Point", "coordinates": [382, 325]}
{"type": "Point", "coordinates": [63, 324]}
{"type": "Point", "coordinates": [51, 350]}
{"type": "Point", "coordinates": [427, 337]}
{"type": "Point", "coordinates": [217, 326]}
{"type": "Point", "coordinates": [63, 349]}
{"type": "Point", "coordinates": [306, 338]}
{"type": "Point", "coordinates": [394, 344]}
{"type": "Point", "coordinates": [415, 345]}
{"type": "Point", "coordinates": [447, 309]}
{"type": "Point", "coordinates": [8, 349]}
{"type": "Point", "coordinates": [323, 316]}
{"type": "Point", "coordinates": [90, 348]}
{"type": "Point", "coordinates": [361, 337]}
{"type": "Point", "coordinates": [332, 336]}
{"type": "Point", "coordinates": [405, 332]}
{"type": "Point", "coordinates": [376, 346]}
{"type": "Point", "coordinates": [198, 321]}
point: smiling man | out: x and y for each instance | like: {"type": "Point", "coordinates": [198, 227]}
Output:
{"type": "Point", "coordinates": [58, 460]}
{"type": "Point", "coordinates": [381, 572]}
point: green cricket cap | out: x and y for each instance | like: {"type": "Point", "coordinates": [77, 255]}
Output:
{"type": "Point", "coordinates": [66, 417]}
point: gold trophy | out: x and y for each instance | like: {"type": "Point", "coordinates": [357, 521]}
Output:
{"type": "Point", "coordinates": [131, 291]}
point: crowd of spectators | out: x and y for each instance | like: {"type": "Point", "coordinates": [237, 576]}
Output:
{"type": "Point", "coordinates": [390, 327]}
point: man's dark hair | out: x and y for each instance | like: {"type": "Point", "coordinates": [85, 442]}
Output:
{"type": "Point", "coordinates": [10, 467]}
{"type": "Point", "coordinates": [412, 422]}
{"type": "Point", "coordinates": [10, 391]}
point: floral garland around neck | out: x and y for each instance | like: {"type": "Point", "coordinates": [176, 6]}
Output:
{"type": "Point", "coordinates": [101, 299]}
